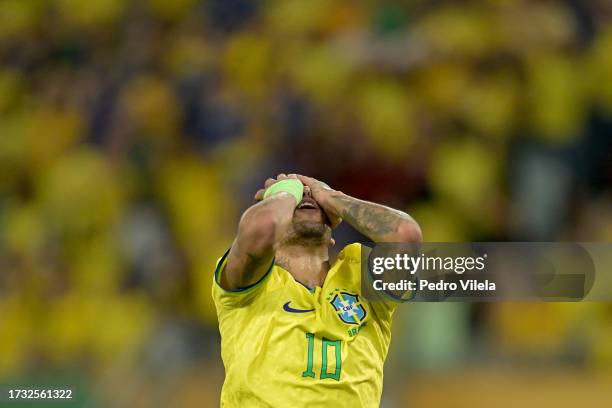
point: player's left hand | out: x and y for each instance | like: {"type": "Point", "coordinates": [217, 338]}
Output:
{"type": "Point", "coordinates": [321, 192]}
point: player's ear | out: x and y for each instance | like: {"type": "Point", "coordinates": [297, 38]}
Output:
{"type": "Point", "coordinates": [332, 242]}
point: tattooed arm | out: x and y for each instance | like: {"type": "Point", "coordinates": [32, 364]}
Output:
{"type": "Point", "coordinates": [259, 230]}
{"type": "Point", "coordinates": [375, 221]}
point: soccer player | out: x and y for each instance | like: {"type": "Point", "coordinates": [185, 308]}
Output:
{"type": "Point", "coordinates": [295, 330]}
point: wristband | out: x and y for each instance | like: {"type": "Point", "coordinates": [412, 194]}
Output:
{"type": "Point", "coordinates": [291, 186]}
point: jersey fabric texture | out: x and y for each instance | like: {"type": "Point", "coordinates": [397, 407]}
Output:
{"type": "Point", "coordinates": [284, 345]}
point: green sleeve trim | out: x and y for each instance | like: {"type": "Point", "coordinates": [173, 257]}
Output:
{"type": "Point", "coordinates": [221, 266]}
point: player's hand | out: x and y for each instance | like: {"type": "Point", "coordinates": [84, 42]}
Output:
{"type": "Point", "coordinates": [270, 181]}
{"type": "Point", "coordinates": [321, 192]}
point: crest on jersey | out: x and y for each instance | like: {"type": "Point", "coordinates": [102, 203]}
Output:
{"type": "Point", "coordinates": [348, 307]}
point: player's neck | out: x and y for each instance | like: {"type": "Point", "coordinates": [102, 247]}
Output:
{"type": "Point", "coordinates": [308, 265]}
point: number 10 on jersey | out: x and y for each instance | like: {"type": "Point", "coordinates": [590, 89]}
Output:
{"type": "Point", "coordinates": [326, 345]}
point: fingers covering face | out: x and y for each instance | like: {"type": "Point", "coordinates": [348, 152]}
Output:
{"type": "Point", "coordinates": [260, 194]}
{"type": "Point", "coordinates": [307, 181]}
{"type": "Point", "coordinates": [270, 181]}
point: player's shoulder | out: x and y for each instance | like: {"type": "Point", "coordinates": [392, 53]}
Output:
{"type": "Point", "coordinates": [352, 252]}
{"type": "Point", "coordinates": [246, 294]}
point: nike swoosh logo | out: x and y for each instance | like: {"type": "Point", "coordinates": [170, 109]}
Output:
{"type": "Point", "coordinates": [289, 309]}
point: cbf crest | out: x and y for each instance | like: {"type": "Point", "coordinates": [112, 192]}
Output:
{"type": "Point", "coordinates": [347, 306]}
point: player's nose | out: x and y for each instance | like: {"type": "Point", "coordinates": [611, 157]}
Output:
{"type": "Point", "coordinates": [307, 191]}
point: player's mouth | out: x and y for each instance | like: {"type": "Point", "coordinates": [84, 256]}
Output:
{"type": "Point", "coordinates": [308, 204]}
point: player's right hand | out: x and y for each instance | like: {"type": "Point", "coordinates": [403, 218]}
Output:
{"type": "Point", "coordinates": [270, 181]}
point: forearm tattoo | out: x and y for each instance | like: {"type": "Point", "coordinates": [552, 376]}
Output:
{"type": "Point", "coordinates": [377, 222]}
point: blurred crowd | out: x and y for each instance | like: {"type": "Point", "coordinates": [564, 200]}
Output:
{"type": "Point", "coordinates": [133, 134]}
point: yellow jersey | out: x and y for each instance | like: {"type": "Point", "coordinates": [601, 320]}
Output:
{"type": "Point", "coordinates": [284, 345]}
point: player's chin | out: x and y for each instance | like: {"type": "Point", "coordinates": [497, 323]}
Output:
{"type": "Point", "coordinates": [309, 230]}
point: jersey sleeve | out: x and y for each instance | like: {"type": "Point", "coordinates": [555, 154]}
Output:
{"type": "Point", "coordinates": [382, 305]}
{"type": "Point", "coordinates": [231, 298]}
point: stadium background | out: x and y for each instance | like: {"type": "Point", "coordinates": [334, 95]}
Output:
{"type": "Point", "coordinates": [133, 134]}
